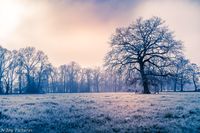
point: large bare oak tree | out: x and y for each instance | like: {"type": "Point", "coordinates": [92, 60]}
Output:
{"type": "Point", "coordinates": [145, 47]}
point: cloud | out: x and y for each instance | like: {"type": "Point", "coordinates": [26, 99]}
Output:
{"type": "Point", "coordinates": [69, 30]}
{"type": "Point", "coordinates": [80, 30]}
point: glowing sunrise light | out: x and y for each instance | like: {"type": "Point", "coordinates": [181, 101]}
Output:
{"type": "Point", "coordinates": [10, 14]}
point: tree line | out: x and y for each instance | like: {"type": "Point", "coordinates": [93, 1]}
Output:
{"type": "Point", "coordinates": [28, 71]}
{"type": "Point", "coordinates": [144, 57]}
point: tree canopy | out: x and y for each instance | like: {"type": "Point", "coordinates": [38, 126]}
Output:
{"type": "Point", "coordinates": [145, 46]}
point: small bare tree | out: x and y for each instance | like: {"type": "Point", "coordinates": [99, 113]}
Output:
{"type": "Point", "coordinates": [4, 66]}
{"type": "Point", "coordinates": [195, 75]}
{"type": "Point", "coordinates": [96, 79]}
{"type": "Point", "coordinates": [10, 72]}
{"type": "Point", "coordinates": [33, 63]}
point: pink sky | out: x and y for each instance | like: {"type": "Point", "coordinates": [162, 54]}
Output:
{"type": "Point", "coordinates": [80, 30]}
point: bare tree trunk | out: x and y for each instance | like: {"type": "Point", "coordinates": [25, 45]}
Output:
{"type": "Point", "coordinates": [20, 84]}
{"type": "Point", "coordinates": [181, 85]}
{"type": "Point", "coordinates": [97, 87]}
{"type": "Point", "coordinates": [39, 83]}
{"type": "Point", "coordinates": [144, 80]}
{"type": "Point", "coordinates": [161, 86]}
{"type": "Point", "coordinates": [115, 86]}
{"type": "Point", "coordinates": [175, 82]}
{"type": "Point", "coordinates": [39, 87]}
{"type": "Point", "coordinates": [28, 87]}
{"type": "Point", "coordinates": [7, 88]}
{"type": "Point", "coordinates": [175, 87]}
{"type": "Point", "coordinates": [11, 87]}
{"type": "Point", "coordinates": [181, 88]}
{"type": "Point", "coordinates": [145, 85]}
{"type": "Point", "coordinates": [1, 87]}
{"type": "Point", "coordinates": [64, 84]}
{"type": "Point", "coordinates": [194, 82]}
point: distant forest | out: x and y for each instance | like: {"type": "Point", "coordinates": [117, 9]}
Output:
{"type": "Point", "coordinates": [144, 57]}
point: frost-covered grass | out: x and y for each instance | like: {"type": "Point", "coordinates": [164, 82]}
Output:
{"type": "Point", "coordinates": [103, 112]}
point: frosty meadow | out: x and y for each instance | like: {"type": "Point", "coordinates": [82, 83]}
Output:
{"type": "Point", "coordinates": [102, 112]}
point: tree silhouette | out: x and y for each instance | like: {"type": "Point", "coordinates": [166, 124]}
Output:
{"type": "Point", "coordinates": [143, 47]}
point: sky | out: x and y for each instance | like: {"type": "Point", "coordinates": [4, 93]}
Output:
{"type": "Point", "coordinates": [80, 30]}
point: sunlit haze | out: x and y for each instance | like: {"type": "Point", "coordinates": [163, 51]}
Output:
{"type": "Point", "coordinates": [78, 30]}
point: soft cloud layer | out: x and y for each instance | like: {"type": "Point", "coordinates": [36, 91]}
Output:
{"type": "Point", "coordinates": [80, 30]}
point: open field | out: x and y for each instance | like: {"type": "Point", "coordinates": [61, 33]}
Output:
{"type": "Point", "coordinates": [103, 112]}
